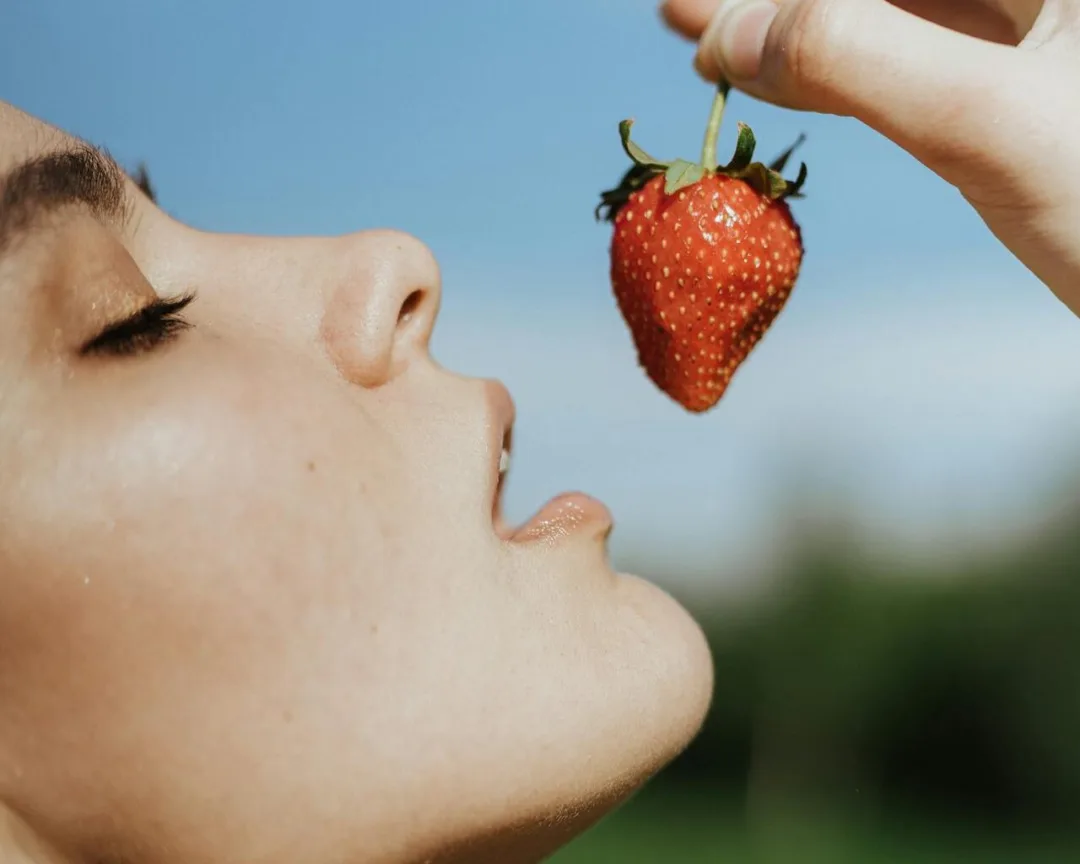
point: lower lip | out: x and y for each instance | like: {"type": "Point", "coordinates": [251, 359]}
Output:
{"type": "Point", "coordinates": [570, 514]}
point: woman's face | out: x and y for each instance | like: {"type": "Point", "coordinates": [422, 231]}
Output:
{"type": "Point", "coordinates": [256, 600]}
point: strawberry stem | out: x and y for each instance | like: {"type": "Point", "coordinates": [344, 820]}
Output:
{"type": "Point", "coordinates": [709, 158]}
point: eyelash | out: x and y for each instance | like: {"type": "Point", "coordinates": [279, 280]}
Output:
{"type": "Point", "coordinates": [151, 327]}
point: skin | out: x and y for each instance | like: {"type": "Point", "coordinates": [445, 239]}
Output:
{"type": "Point", "coordinates": [981, 91]}
{"type": "Point", "coordinates": [254, 606]}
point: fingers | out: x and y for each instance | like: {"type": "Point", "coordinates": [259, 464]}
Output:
{"type": "Point", "coordinates": [920, 84]}
{"type": "Point", "coordinates": [1004, 21]}
{"type": "Point", "coordinates": [689, 17]}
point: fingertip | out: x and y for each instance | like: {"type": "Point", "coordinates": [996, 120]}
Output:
{"type": "Point", "coordinates": [689, 18]}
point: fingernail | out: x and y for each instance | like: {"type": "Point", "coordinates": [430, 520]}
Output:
{"type": "Point", "coordinates": [737, 35]}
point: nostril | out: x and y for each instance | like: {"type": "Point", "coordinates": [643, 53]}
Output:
{"type": "Point", "coordinates": [410, 305]}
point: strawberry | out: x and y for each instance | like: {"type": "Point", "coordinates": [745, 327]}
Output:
{"type": "Point", "coordinates": [703, 259]}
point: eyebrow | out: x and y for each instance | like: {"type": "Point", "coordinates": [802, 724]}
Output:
{"type": "Point", "coordinates": [77, 175]}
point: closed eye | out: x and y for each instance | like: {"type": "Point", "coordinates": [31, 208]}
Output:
{"type": "Point", "coordinates": [154, 325]}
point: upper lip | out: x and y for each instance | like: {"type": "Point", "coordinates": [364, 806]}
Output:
{"type": "Point", "coordinates": [501, 414]}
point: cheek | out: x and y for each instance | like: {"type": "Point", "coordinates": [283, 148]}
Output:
{"type": "Point", "coordinates": [178, 557]}
{"type": "Point", "coordinates": [195, 517]}
{"type": "Point", "coordinates": [230, 478]}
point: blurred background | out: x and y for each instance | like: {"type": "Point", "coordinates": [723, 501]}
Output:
{"type": "Point", "coordinates": [878, 525]}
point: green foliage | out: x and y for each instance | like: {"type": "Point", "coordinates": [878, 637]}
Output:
{"type": "Point", "coordinates": [868, 695]}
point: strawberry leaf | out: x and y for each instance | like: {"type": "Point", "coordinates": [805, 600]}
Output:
{"type": "Point", "coordinates": [639, 156]}
{"type": "Point", "coordinates": [794, 190]}
{"type": "Point", "coordinates": [744, 151]}
{"type": "Point", "coordinates": [682, 174]}
{"type": "Point", "coordinates": [780, 162]}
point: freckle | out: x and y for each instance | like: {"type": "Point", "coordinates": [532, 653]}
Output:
{"type": "Point", "coordinates": [311, 467]}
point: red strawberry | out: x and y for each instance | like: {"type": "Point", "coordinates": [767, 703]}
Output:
{"type": "Point", "coordinates": [703, 260]}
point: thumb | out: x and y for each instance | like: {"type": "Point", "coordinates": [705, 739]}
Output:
{"type": "Point", "coordinates": [930, 89]}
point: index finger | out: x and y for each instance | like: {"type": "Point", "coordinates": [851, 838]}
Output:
{"type": "Point", "coordinates": [689, 17]}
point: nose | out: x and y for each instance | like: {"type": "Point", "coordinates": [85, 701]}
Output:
{"type": "Point", "coordinates": [382, 306]}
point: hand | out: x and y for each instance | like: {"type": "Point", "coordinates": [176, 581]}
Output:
{"type": "Point", "coordinates": [980, 91]}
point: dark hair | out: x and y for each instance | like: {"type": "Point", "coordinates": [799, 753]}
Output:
{"type": "Point", "coordinates": [141, 178]}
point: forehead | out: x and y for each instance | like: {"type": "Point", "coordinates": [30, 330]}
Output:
{"type": "Point", "coordinates": [23, 137]}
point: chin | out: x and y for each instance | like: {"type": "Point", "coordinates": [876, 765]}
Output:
{"type": "Point", "coordinates": [676, 664]}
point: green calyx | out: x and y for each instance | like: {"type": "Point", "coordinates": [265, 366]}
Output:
{"type": "Point", "coordinates": [766, 179]}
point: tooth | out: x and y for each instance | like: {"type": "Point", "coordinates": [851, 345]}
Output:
{"type": "Point", "coordinates": [504, 461]}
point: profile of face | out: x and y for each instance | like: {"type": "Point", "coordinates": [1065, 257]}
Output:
{"type": "Point", "coordinates": [257, 602]}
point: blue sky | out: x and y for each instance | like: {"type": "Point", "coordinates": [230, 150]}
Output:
{"type": "Point", "coordinates": [919, 373]}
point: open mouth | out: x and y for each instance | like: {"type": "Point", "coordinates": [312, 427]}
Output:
{"type": "Point", "coordinates": [498, 519]}
{"type": "Point", "coordinates": [566, 514]}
